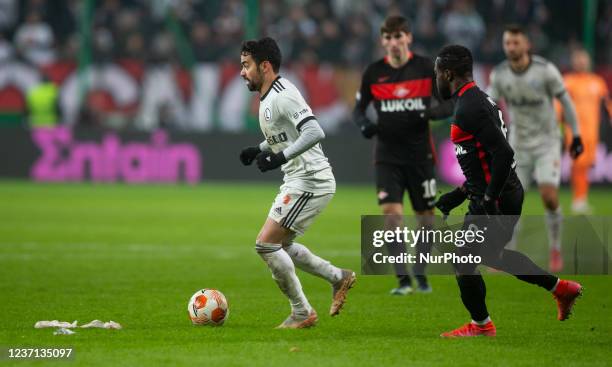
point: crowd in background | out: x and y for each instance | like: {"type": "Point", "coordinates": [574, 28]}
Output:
{"type": "Point", "coordinates": [150, 40]}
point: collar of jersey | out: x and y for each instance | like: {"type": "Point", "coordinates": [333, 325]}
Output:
{"type": "Point", "coordinates": [269, 89]}
{"type": "Point", "coordinates": [464, 88]}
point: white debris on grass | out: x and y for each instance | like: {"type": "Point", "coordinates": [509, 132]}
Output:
{"type": "Point", "coordinates": [55, 323]}
{"type": "Point", "coordinates": [102, 325]}
{"type": "Point", "coordinates": [71, 325]}
{"type": "Point", "coordinates": [63, 331]}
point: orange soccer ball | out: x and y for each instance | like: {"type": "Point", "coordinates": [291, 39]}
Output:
{"type": "Point", "coordinates": [208, 307]}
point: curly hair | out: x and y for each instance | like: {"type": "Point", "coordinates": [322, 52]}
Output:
{"type": "Point", "coordinates": [262, 50]}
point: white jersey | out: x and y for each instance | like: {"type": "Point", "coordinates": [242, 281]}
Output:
{"type": "Point", "coordinates": [529, 96]}
{"type": "Point", "coordinates": [282, 111]}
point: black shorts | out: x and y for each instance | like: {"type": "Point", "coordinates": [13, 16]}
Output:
{"type": "Point", "coordinates": [499, 230]}
{"type": "Point", "coordinates": [418, 179]}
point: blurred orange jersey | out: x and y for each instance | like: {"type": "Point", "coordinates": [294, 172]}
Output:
{"type": "Point", "coordinates": [587, 91]}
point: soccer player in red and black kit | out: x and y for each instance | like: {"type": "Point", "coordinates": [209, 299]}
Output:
{"type": "Point", "coordinates": [494, 191]}
{"type": "Point", "coordinates": [401, 86]}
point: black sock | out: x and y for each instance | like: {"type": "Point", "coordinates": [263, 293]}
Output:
{"type": "Point", "coordinates": [422, 281]}
{"type": "Point", "coordinates": [401, 271]}
{"type": "Point", "coordinates": [423, 246]}
{"type": "Point", "coordinates": [419, 267]}
{"type": "Point", "coordinates": [404, 280]}
{"type": "Point", "coordinates": [519, 265]}
{"type": "Point", "coordinates": [473, 293]}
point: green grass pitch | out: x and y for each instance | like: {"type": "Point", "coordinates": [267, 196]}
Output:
{"type": "Point", "coordinates": [135, 254]}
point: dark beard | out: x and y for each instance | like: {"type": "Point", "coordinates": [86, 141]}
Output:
{"type": "Point", "coordinates": [252, 87]}
{"type": "Point", "coordinates": [515, 58]}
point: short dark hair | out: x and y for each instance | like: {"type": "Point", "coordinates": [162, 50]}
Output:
{"type": "Point", "coordinates": [457, 59]}
{"type": "Point", "coordinates": [516, 29]}
{"type": "Point", "coordinates": [395, 23]}
{"type": "Point", "coordinates": [262, 50]}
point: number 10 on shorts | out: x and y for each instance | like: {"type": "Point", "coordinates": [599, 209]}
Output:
{"type": "Point", "coordinates": [429, 188]}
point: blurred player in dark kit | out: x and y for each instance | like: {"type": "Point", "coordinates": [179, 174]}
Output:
{"type": "Point", "coordinates": [401, 88]}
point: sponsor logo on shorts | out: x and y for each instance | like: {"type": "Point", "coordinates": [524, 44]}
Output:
{"type": "Point", "coordinates": [382, 195]}
{"type": "Point", "coordinates": [278, 210]}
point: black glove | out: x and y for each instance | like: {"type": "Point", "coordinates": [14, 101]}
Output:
{"type": "Point", "coordinates": [495, 218]}
{"type": "Point", "coordinates": [576, 148]}
{"type": "Point", "coordinates": [369, 130]}
{"type": "Point", "coordinates": [367, 127]}
{"type": "Point", "coordinates": [248, 155]}
{"type": "Point", "coordinates": [451, 200]}
{"type": "Point", "coordinates": [490, 206]}
{"type": "Point", "coordinates": [267, 160]}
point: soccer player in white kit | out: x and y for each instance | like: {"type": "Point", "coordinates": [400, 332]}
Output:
{"type": "Point", "coordinates": [292, 135]}
{"type": "Point", "coordinates": [529, 84]}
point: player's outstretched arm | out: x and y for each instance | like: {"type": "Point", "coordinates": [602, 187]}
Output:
{"type": "Point", "coordinates": [556, 88]}
{"type": "Point", "coordinates": [570, 117]}
{"type": "Point", "coordinates": [310, 134]}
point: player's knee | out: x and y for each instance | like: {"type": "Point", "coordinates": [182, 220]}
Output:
{"type": "Point", "coordinates": [266, 248]}
{"type": "Point", "coordinates": [551, 202]}
{"type": "Point", "coordinates": [392, 210]}
{"type": "Point", "coordinates": [393, 215]}
{"type": "Point", "coordinates": [265, 237]}
{"type": "Point", "coordinates": [550, 196]}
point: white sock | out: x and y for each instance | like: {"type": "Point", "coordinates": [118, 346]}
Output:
{"type": "Point", "coordinates": [311, 263]}
{"type": "Point", "coordinates": [554, 221]}
{"type": "Point", "coordinates": [555, 287]}
{"type": "Point", "coordinates": [483, 322]}
{"type": "Point", "coordinates": [283, 272]}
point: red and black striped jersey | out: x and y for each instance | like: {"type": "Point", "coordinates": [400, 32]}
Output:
{"type": "Point", "coordinates": [401, 98]}
{"type": "Point", "coordinates": [479, 134]}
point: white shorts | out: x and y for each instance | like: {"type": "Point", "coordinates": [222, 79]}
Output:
{"type": "Point", "coordinates": [296, 210]}
{"type": "Point", "coordinates": [543, 164]}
